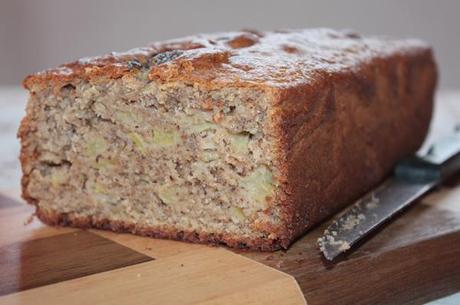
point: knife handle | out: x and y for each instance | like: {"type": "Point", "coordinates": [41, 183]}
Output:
{"type": "Point", "coordinates": [440, 162]}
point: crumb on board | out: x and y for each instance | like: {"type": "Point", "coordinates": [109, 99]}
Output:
{"type": "Point", "coordinates": [29, 219]}
{"type": "Point", "coordinates": [341, 245]}
{"type": "Point", "coordinates": [344, 245]}
{"type": "Point", "coordinates": [279, 264]}
{"type": "Point", "coordinates": [352, 221]}
{"type": "Point", "coordinates": [347, 223]}
{"type": "Point", "coordinates": [373, 202]}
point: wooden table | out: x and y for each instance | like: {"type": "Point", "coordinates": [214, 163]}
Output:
{"type": "Point", "coordinates": [413, 260]}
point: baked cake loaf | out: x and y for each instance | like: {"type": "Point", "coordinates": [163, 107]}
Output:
{"type": "Point", "coordinates": [244, 138]}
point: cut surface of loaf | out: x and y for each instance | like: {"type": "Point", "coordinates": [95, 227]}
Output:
{"type": "Point", "coordinates": [243, 138]}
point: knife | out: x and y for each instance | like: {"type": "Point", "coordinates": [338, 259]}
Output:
{"type": "Point", "coordinates": [413, 177]}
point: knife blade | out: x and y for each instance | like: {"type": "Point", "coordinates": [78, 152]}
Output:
{"type": "Point", "coordinates": [413, 177]}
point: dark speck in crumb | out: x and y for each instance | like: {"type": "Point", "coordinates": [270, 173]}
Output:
{"type": "Point", "coordinates": [164, 57]}
{"type": "Point", "coordinates": [134, 64]}
{"type": "Point", "coordinates": [68, 87]}
{"type": "Point", "coordinates": [352, 34]}
{"type": "Point", "coordinates": [182, 265]}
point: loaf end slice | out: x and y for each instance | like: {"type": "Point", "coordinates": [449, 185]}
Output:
{"type": "Point", "coordinates": [246, 139]}
{"type": "Point", "coordinates": [164, 160]}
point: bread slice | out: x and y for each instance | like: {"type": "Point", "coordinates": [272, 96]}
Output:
{"type": "Point", "coordinates": [244, 138]}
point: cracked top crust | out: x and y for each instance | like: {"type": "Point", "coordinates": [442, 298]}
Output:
{"type": "Point", "coordinates": [279, 59]}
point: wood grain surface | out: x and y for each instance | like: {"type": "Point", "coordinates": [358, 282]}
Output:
{"type": "Point", "coordinates": [59, 258]}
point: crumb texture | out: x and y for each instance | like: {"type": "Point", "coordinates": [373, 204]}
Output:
{"type": "Point", "coordinates": [155, 155]}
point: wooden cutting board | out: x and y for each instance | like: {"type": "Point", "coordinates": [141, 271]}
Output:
{"type": "Point", "coordinates": [413, 260]}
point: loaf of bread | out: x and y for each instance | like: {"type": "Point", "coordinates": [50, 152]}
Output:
{"type": "Point", "coordinates": [246, 139]}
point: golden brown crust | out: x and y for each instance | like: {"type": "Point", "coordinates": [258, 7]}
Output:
{"type": "Point", "coordinates": [61, 219]}
{"type": "Point", "coordinates": [281, 59]}
{"type": "Point", "coordinates": [343, 134]}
